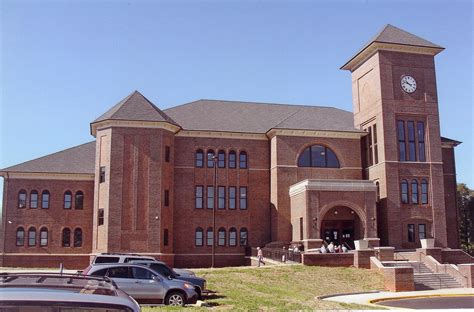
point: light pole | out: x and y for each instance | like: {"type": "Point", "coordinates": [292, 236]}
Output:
{"type": "Point", "coordinates": [214, 160]}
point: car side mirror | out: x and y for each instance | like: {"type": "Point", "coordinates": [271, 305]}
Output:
{"type": "Point", "coordinates": [156, 278]}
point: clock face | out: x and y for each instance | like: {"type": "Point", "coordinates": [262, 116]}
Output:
{"type": "Point", "coordinates": [408, 84]}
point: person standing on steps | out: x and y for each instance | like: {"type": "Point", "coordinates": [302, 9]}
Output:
{"type": "Point", "coordinates": [260, 256]}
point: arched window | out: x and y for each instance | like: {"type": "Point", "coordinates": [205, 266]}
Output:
{"type": "Point", "coordinates": [404, 191]}
{"type": "Point", "coordinates": [221, 159]}
{"type": "Point", "coordinates": [232, 159]}
{"type": "Point", "coordinates": [67, 200]}
{"type": "Point", "coordinates": [243, 160]}
{"type": "Point", "coordinates": [34, 199]}
{"type": "Point", "coordinates": [45, 199]}
{"type": "Point", "coordinates": [79, 200]}
{"type": "Point", "coordinates": [22, 199]}
{"type": "Point", "coordinates": [221, 237]}
{"type": "Point", "coordinates": [66, 240]}
{"type": "Point", "coordinates": [244, 237]}
{"type": "Point", "coordinates": [210, 159]}
{"type": "Point", "coordinates": [424, 191]}
{"type": "Point", "coordinates": [20, 236]}
{"type": "Point", "coordinates": [414, 192]}
{"type": "Point", "coordinates": [318, 156]}
{"type": "Point", "coordinates": [78, 237]}
{"type": "Point", "coordinates": [43, 237]}
{"type": "Point", "coordinates": [199, 158]}
{"type": "Point", "coordinates": [32, 237]}
{"type": "Point", "coordinates": [210, 237]}
{"type": "Point", "coordinates": [199, 237]}
{"type": "Point", "coordinates": [232, 237]}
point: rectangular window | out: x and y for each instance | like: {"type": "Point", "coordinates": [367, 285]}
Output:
{"type": "Point", "coordinates": [210, 197]}
{"type": "Point", "coordinates": [370, 148]}
{"type": "Point", "coordinates": [401, 140]}
{"type": "Point", "coordinates": [199, 196]}
{"type": "Point", "coordinates": [411, 141]}
{"type": "Point", "coordinates": [34, 200]}
{"type": "Point", "coordinates": [167, 198]}
{"type": "Point", "coordinates": [301, 228]}
{"type": "Point", "coordinates": [101, 216]}
{"type": "Point", "coordinates": [31, 238]}
{"type": "Point", "coordinates": [45, 200]}
{"type": "Point", "coordinates": [424, 191]}
{"type": "Point", "coordinates": [43, 238]}
{"type": "Point", "coordinates": [420, 126]}
{"type": "Point", "coordinates": [221, 197]}
{"type": "Point", "coordinates": [210, 237]}
{"type": "Point", "coordinates": [374, 138]}
{"type": "Point", "coordinates": [421, 231]}
{"type": "Point", "coordinates": [198, 239]}
{"type": "Point", "coordinates": [232, 191]}
{"type": "Point", "coordinates": [167, 154]}
{"type": "Point", "coordinates": [165, 237]}
{"type": "Point", "coordinates": [102, 175]}
{"type": "Point", "coordinates": [243, 197]}
{"type": "Point", "coordinates": [404, 186]}
{"type": "Point", "coordinates": [411, 233]}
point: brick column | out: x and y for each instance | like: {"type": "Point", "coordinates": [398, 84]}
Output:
{"type": "Point", "coordinates": [468, 271]}
{"type": "Point", "coordinates": [385, 253]}
{"type": "Point", "coordinates": [399, 279]}
{"type": "Point", "coordinates": [362, 258]}
{"type": "Point", "coordinates": [435, 252]}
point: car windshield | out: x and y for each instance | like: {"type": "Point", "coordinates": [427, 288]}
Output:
{"type": "Point", "coordinates": [163, 270]}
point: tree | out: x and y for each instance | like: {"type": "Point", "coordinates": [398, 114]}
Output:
{"type": "Point", "coordinates": [465, 200]}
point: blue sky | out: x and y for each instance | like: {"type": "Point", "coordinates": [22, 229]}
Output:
{"type": "Point", "coordinates": [64, 63]}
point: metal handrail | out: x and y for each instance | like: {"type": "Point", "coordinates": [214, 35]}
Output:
{"type": "Point", "coordinates": [444, 267]}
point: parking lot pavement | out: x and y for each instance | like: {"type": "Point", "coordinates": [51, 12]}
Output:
{"type": "Point", "coordinates": [374, 297]}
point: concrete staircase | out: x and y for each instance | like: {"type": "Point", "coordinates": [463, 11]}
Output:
{"type": "Point", "coordinates": [424, 278]}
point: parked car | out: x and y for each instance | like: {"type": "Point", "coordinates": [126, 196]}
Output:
{"type": "Point", "coordinates": [146, 285]}
{"type": "Point", "coordinates": [162, 268]}
{"type": "Point", "coordinates": [119, 258]}
{"type": "Point", "coordinates": [62, 292]}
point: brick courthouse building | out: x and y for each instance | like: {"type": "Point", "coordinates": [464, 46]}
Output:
{"type": "Point", "coordinates": [284, 173]}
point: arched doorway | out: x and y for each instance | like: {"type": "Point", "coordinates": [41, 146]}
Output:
{"type": "Point", "coordinates": [341, 225]}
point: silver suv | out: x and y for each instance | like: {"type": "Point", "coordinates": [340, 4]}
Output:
{"type": "Point", "coordinates": [49, 292]}
{"type": "Point", "coordinates": [146, 285]}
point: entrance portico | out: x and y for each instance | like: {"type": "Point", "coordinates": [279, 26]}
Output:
{"type": "Point", "coordinates": [333, 210]}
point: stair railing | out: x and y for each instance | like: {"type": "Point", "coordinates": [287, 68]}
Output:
{"type": "Point", "coordinates": [443, 268]}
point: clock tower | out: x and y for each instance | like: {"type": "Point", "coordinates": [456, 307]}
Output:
{"type": "Point", "coordinates": [395, 101]}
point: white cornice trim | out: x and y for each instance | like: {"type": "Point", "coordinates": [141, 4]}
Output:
{"type": "Point", "coordinates": [221, 135]}
{"type": "Point", "coordinates": [48, 176]}
{"type": "Point", "coordinates": [133, 124]}
{"type": "Point", "coordinates": [332, 185]}
{"type": "Point", "coordinates": [316, 133]}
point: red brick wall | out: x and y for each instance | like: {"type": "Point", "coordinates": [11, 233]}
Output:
{"type": "Point", "coordinates": [331, 260]}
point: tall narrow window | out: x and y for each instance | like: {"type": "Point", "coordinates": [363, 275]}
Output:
{"type": "Point", "coordinates": [102, 174]}
{"type": "Point", "coordinates": [421, 231]}
{"type": "Point", "coordinates": [377, 185]}
{"type": "Point", "coordinates": [79, 200]}
{"type": "Point", "coordinates": [66, 238]}
{"type": "Point", "coordinates": [411, 233]}
{"type": "Point", "coordinates": [414, 192]}
{"type": "Point", "coordinates": [374, 138]}
{"type": "Point", "coordinates": [221, 237]}
{"type": "Point", "coordinates": [404, 190]}
{"type": "Point", "coordinates": [424, 191]}
{"type": "Point", "coordinates": [243, 160]}
{"type": "Point", "coordinates": [244, 237]}
{"type": "Point", "coordinates": [232, 191]}
{"type": "Point", "coordinates": [301, 228]}
{"type": "Point", "coordinates": [100, 219]}
{"type": "Point", "coordinates": [210, 159]}
{"type": "Point", "coordinates": [78, 237]}
{"type": "Point", "coordinates": [232, 159]}
{"type": "Point", "coordinates": [411, 141]}
{"type": "Point", "coordinates": [209, 237]}
{"type": "Point", "coordinates": [167, 154]}
{"type": "Point", "coordinates": [43, 237]}
{"type": "Point", "coordinates": [199, 237]}
{"type": "Point", "coordinates": [32, 237]}
{"type": "Point", "coordinates": [221, 159]}
{"type": "Point", "coordinates": [402, 155]}
{"type": "Point", "coordinates": [67, 200]}
{"type": "Point", "coordinates": [199, 158]}
{"type": "Point", "coordinates": [243, 197]}
{"type": "Point", "coordinates": [420, 126]}
{"type": "Point", "coordinates": [165, 237]}
{"type": "Point", "coordinates": [34, 199]}
{"type": "Point", "coordinates": [210, 197]}
{"type": "Point", "coordinates": [45, 200]}
{"type": "Point", "coordinates": [22, 199]}
{"type": "Point", "coordinates": [20, 236]}
{"type": "Point", "coordinates": [199, 196]}
{"type": "Point", "coordinates": [221, 204]}
{"type": "Point", "coordinates": [232, 237]}
{"type": "Point", "coordinates": [370, 149]}
{"type": "Point", "coordinates": [167, 198]}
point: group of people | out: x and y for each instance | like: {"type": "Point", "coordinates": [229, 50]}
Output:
{"type": "Point", "coordinates": [333, 248]}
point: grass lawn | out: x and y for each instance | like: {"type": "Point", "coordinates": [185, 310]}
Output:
{"type": "Point", "coordinates": [283, 287]}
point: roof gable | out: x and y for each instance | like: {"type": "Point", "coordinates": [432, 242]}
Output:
{"type": "Point", "coordinates": [392, 34]}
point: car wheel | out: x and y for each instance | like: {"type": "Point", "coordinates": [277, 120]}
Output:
{"type": "Point", "coordinates": [175, 298]}
{"type": "Point", "coordinates": [198, 291]}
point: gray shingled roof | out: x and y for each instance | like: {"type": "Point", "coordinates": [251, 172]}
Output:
{"type": "Point", "coordinates": [135, 107]}
{"type": "Point", "coordinates": [78, 159]}
{"type": "Point", "coordinates": [250, 117]}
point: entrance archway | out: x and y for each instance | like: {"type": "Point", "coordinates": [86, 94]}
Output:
{"type": "Point", "coordinates": [341, 225]}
